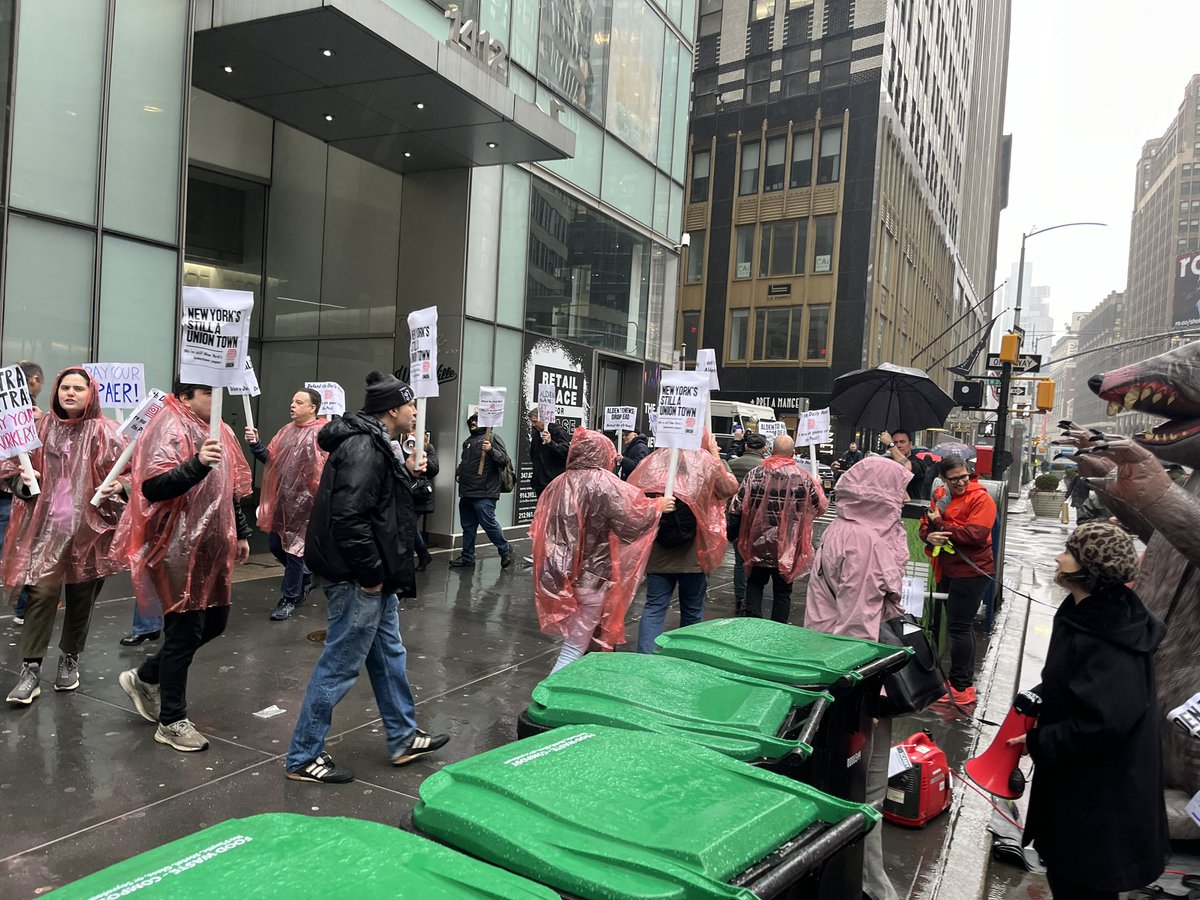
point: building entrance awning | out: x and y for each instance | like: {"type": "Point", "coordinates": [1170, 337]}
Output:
{"type": "Point", "coordinates": [360, 76]}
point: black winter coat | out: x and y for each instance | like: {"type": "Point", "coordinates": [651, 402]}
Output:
{"type": "Point", "coordinates": [549, 460]}
{"type": "Point", "coordinates": [1096, 812]}
{"type": "Point", "coordinates": [635, 451]}
{"type": "Point", "coordinates": [361, 528]}
{"type": "Point", "coordinates": [422, 507]}
{"type": "Point", "coordinates": [472, 485]}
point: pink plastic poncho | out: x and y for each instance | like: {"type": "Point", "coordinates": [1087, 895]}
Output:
{"type": "Point", "coordinates": [181, 551]}
{"type": "Point", "coordinates": [59, 537]}
{"type": "Point", "coordinates": [858, 572]}
{"type": "Point", "coordinates": [704, 484]}
{"type": "Point", "coordinates": [592, 535]}
{"type": "Point", "coordinates": [290, 482]}
{"type": "Point", "coordinates": [777, 509]}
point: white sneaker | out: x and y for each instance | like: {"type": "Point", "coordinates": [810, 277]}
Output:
{"type": "Point", "coordinates": [181, 735]}
{"type": "Point", "coordinates": [145, 697]}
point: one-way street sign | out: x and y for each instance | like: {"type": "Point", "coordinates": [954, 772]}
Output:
{"type": "Point", "coordinates": [1029, 362]}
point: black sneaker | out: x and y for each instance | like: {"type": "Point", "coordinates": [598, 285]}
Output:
{"type": "Point", "coordinates": [305, 589]}
{"type": "Point", "coordinates": [422, 743]}
{"type": "Point", "coordinates": [322, 770]}
{"type": "Point", "coordinates": [283, 610]}
{"type": "Point", "coordinates": [460, 562]}
{"type": "Point", "coordinates": [506, 559]}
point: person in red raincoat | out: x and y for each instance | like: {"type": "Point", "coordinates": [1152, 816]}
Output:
{"type": "Point", "coordinates": [776, 507]}
{"type": "Point", "coordinates": [56, 538]}
{"type": "Point", "coordinates": [184, 532]}
{"type": "Point", "coordinates": [294, 464]}
{"type": "Point", "coordinates": [592, 535]}
{"type": "Point", "coordinates": [686, 547]}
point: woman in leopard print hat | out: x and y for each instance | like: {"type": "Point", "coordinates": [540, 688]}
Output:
{"type": "Point", "coordinates": [1096, 813]}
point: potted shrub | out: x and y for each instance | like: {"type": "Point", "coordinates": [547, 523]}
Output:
{"type": "Point", "coordinates": [1047, 499]}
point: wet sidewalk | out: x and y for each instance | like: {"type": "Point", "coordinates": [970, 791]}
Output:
{"type": "Point", "coordinates": [85, 785]}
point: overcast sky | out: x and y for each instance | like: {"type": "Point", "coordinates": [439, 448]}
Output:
{"type": "Point", "coordinates": [1089, 81]}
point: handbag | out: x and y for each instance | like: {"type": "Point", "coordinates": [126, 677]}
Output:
{"type": "Point", "coordinates": [421, 489]}
{"type": "Point", "coordinates": [916, 685]}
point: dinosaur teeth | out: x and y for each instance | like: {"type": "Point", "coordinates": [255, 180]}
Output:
{"type": "Point", "coordinates": [1145, 393]}
{"type": "Point", "coordinates": [1114, 407]}
{"type": "Point", "coordinates": [1158, 397]}
{"type": "Point", "coordinates": [1170, 398]}
{"type": "Point", "coordinates": [1131, 398]}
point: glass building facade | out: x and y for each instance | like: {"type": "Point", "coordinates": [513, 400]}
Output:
{"type": "Point", "coordinates": [140, 154]}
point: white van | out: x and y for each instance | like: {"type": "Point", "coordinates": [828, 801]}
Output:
{"type": "Point", "coordinates": [728, 413]}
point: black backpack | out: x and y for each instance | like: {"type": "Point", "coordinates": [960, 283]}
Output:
{"type": "Point", "coordinates": [677, 528]}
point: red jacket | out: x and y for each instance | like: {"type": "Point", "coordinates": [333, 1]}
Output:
{"type": "Point", "coordinates": [969, 519]}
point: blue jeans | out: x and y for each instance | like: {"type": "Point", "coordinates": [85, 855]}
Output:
{"type": "Point", "coordinates": [362, 628]}
{"type": "Point", "coordinates": [295, 573]}
{"type": "Point", "coordinates": [5, 512]}
{"type": "Point", "coordinates": [480, 512]}
{"type": "Point", "coordinates": [143, 624]}
{"type": "Point", "coordinates": [659, 590]}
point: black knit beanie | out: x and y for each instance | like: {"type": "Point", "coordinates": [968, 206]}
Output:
{"type": "Point", "coordinates": [385, 392]}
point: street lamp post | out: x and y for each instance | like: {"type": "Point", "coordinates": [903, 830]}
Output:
{"type": "Point", "coordinates": [1000, 455]}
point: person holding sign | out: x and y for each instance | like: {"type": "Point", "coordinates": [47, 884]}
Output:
{"type": "Point", "coordinates": [592, 535]}
{"type": "Point", "coordinates": [57, 541]}
{"type": "Point", "coordinates": [636, 448]}
{"type": "Point", "coordinates": [34, 377]}
{"type": "Point", "coordinates": [549, 444]}
{"type": "Point", "coordinates": [293, 463]}
{"type": "Point", "coordinates": [483, 459]}
{"type": "Point", "coordinates": [360, 543]}
{"type": "Point", "coordinates": [690, 541]}
{"type": "Point", "coordinates": [775, 508]}
{"type": "Point", "coordinates": [183, 535]}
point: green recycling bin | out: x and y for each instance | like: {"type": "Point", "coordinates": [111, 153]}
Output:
{"type": "Point", "coordinates": [849, 669]}
{"type": "Point", "coordinates": [601, 812]}
{"type": "Point", "coordinates": [284, 855]}
{"type": "Point", "coordinates": [745, 718]}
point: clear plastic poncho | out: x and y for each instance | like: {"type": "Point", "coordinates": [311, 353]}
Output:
{"type": "Point", "coordinates": [704, 484]}
{"type": "Point", "coordinates": [181, 551]}
{"type": "Point", "coordinates": [289, 483]}
{"type": "Point", "coordinates": [777, 510]}
{"type": "Point", "coordinates": [58, 537]}
{"type": "Point", "coordinates": [592, 533]}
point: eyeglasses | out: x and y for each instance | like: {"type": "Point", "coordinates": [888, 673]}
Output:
{"type": "Point", "coordinates": [958, 479]}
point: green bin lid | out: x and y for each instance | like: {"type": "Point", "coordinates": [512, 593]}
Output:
{"type": "Point", "coordinates": [284, 855]}
{"type": "Point", "coordinates": [774, 651]}
{"type": "Point", "coordinates": [614, 813]}
{"type": "Point", "coordinates": [732, 714]}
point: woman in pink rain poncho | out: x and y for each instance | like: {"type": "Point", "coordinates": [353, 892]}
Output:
{"type": "Point", "coordinates": [57, 538]}
{"type": "Point", "coordinates": [592, 535]}
{"type": "Point", "coordinates": [854, 586]}
{"type": "Point", "coordinates": [185, 532]}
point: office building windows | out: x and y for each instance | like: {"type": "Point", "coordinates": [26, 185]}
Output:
{"type": "Point", "coordinates": [775, 170]}
{"type": "Point", "coordinates": [802, 157]}
{"type": "Point", "coordinates": [695, 258]}
{"type": "Point", "coordinates": [748, 180]}
{"type": "Point", "coordinates": [743, 266]}
{"type": "Point", "coordinates": [829, 168]}
{"type": "Point", "coordinates": [691, 334]}
{"type": "Point", "coordinates": [739, 326]}
{"type": "Point", "coordinates": [818, 332]}
{"type": "Point", "coordinates": [762, 9]}
{"type": "Point", "coordinates": [778, 253]}
{"type": "Point", "coordinates": [777, 333]}
{"type": "Point", "coordinates": [825, 230]}
{"type": "Point", "coordinates": [701, 163]}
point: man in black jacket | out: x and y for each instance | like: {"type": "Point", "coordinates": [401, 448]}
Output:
{"type": "Point", "coordinates": [637, 448]}
{"type": "Point", "coordinates": [360, 543]}
{"type": "Point", "coordinates": [548, 446]}
{"type": "Point", "coordinates": [478, 491]}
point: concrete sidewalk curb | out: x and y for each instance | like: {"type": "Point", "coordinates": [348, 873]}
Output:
{"type": "Point", "coordinates": [967, 852]}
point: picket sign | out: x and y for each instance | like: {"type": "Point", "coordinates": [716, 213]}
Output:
{"type": "Point", "coordinates": [132, 428]}
{"type": "Point", "coordinates": [813, 429]}
{"type": "Point", "coordinates": [682, 403]}
{"type": "Point", "coordinates": [18, 427]}
{"type": "Point", "coordinates": [422, 368]}
{"type": "Point", "coordinates": [333, 397]}
{"type": "Point", "coordinates": [619, 419]}
{"type": "Point", "coordinates": [547, 403]}
{"type": "Point", "coordinates": [214, 337]}
{"type": "Point", "coordinates": [249, 388]}
{"type": "Point", "coordinates": [490, 414]}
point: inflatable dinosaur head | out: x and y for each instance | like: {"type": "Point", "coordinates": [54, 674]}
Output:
{"type": "Point", "coordinates": [1165, 385]}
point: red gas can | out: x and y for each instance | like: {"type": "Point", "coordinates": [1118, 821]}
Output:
{"type": "Point", "coordinates": [921, 792]}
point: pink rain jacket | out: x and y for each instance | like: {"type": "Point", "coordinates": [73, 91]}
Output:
{"type": "Point", "coordinates": [181, 551]}
{"type": "Point", "coordinates": [704, 484]}
{"type": "Point", "coordinates": [778, 503]}
{"type": "Point", "coordinates": [858, 572]}
{"type": "Point", "coordinates": [592, 532]}
{"type": "Point", "coordinates": [58, 537]}
{"type": "Point", "coordinates": [290, 483]}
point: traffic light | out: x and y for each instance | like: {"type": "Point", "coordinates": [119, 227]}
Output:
{"type": "Point", "coordinates": [1044, 395]}
{"type": "Point", "coordinates": [1010, 348]}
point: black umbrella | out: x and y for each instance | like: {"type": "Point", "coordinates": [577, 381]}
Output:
{"type": "Point", "coordinates": [889, 397]}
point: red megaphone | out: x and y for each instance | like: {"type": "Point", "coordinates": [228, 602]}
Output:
{"type": "Point", "coordinates": [996, 770]}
